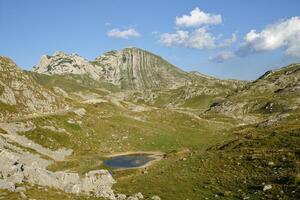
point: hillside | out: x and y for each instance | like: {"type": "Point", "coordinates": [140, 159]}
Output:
{"type": "Point", "coordinates": [274, 92]}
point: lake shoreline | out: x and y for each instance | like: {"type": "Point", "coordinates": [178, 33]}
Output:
{"type": "Point", "coordinates": [156, 155]}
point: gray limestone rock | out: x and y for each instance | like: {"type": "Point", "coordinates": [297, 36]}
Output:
{"type": "Point", "coordinates": [7, 185]}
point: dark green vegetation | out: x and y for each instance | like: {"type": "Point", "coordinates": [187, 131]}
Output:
{"type": "Point", "coordinates": [221, 138]}
{"type": "Point", "coordinates": [71, 83]}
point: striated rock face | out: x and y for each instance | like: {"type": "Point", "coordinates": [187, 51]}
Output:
{"type": "Point", "coordinates": [134, 68]}
{"type": "Point", "coordinates": [131, 68]}
{"type": "Point", "coordinates": [19, 93]}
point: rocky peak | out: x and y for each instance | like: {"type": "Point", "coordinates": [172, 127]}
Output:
{"type": "Point", "coordinates": [62, 63]}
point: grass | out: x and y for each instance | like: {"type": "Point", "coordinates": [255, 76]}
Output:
{"type": "Point", "coordinates": [47, 138]}
{"type": "Point", "coordinates": [35, 192]}
{"type": "Point", "coordinates": [232, 170]}
{"type": "Point", "coordinates": [72, 83]}
{"type": "Point", "coordinates": [8, 108]}
{"type": "Point", "coordinates": [204, 159]}
{"type": "Point", "coordinates": [200, 102]}
{"type": "Point", "coordinates": [163, 130]}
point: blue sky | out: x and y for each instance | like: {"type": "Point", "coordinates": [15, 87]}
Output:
{"type": "Point", "coordinates": [214, 39]}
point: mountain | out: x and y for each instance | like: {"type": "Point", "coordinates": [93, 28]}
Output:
{"type": "Point", "coordinates": [130, 68]}
{"type": "Point", "coordinates": [20, 94]}
{"type": "Point", "coordinates": [140, 75]}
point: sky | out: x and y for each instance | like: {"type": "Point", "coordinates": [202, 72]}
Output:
{"type": "Point", "coordinates": [230, 39]}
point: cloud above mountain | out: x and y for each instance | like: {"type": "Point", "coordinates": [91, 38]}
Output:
{"type": "Point", "coordinates": [194, 32]}
{"type": "Point", "coordinates": [198, 39]}
{"type": "Point", "coordinates": [123, 34]}
{"type": "Point", "coordinates": [198, 17]}
{"type": "Point", "coordinates": [283, 34]}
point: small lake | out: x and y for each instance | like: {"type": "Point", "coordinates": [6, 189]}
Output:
{"type": "Point", "coordinates": [129, 161]}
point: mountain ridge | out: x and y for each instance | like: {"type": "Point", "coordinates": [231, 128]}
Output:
{"type": "Point", "coordinates": [129, 68]}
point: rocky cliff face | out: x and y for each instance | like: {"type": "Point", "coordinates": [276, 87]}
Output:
{"type": "Point", "coordinates": [131, 68]}
{"type": "Point", "coordinates": [134, 68]}
{"type": "Point", "coordinates": [19, 93]}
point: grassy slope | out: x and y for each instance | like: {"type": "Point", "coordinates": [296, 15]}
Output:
{"type": "Point", "coordinates": [71, 83]}
{"type": "Point", "coordinates": [204, 159]}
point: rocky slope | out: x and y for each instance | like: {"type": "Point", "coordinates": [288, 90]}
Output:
{"type": "Point", "coordinates": [20, 94]}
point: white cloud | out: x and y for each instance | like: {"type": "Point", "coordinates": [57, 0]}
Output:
{"type": "Point", "coordinates": [173, 39]}
{"type": "Point", "coordinates": [229, 41]}
{"type": "Point", "coordinates": [221, 57]}
{"type": "Point", "coordinates": [198, 18]}
{"type": "Point", "coordinates": [198, 39]}
{"type": "Point", "coordinates": [283, 34]}
{"type": "Point", "coordinates": [123, 34]}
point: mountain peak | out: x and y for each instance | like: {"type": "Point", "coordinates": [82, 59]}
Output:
{"type": "Point", "coordinates": [135, 68]}
{"type": "Point", "coordinates": [63, 63]}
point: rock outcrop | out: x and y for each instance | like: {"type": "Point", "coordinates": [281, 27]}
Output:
{"type": "Point", "coordinates": [62, 63]}
{"type": "Point", "coordinates": [20, 94]}
{"type": "Point", "coordinates": [18, 167]}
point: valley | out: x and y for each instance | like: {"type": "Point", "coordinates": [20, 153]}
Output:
{"type": "Point", "coordinates": [219, 139]}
